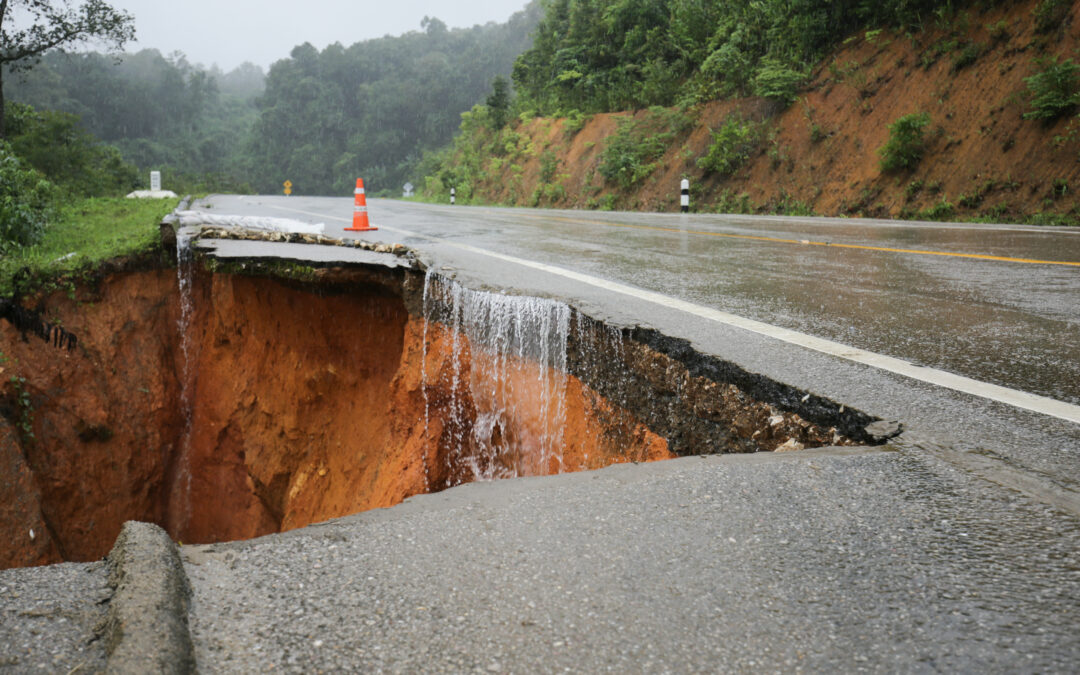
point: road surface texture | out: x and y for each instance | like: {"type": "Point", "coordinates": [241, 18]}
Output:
{"type": "Point", "coordinates": [954, 548]}
{"type": "Point", "coordinates": [1006, 326]}
{"type": "Point", "coordinates": [818, 562]}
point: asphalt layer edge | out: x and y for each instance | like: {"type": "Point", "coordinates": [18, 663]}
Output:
{"type": "Point", "coordinates": [493, 493]}
{"type": "Point", "coordinates": [146, 627]}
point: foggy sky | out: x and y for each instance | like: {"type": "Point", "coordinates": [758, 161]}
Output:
{"type": "Point", "coordinates": [229, 32]}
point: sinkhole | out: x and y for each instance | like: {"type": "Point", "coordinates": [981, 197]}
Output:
{"type": "Point", "coordinates": [227, 400]}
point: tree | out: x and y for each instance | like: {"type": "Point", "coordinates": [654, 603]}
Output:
{"type": "Point", "coordinates": [25, 202]}
{"type": "Point", "coordinates": [498, 102]}
{"type": "Point", "coordinates": [53, 25]}
{"type": "Point", "coordinates": [56, 144]}
{"type": "Point", "coordinates": [1054, 91]}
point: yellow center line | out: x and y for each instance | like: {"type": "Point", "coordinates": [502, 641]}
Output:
{"type": "Point", "coordinates": [807, 242]}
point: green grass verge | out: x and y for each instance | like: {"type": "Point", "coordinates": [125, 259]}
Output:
{"type": "Point", "coordinates": [95, 230]}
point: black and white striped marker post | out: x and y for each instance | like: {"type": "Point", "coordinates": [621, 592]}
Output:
{"type": "Point", "coordinates": [684, 201]}
{"type": "Point", "coordinates": [453, 193]}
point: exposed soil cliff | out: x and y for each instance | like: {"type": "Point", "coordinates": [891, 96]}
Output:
{"type": "Point", "coordinates": [982, 159]}
{"type": "Point", "coordinates": [90, 444]}
{"type": "Point", "coordinates": [287, 402]}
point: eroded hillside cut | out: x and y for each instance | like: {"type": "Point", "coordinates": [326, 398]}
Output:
{"type": "Point", "coordinates": [238, 403]}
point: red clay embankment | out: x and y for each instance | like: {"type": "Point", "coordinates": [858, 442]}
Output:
{"type": "Point", "coordinates": [307, 402]}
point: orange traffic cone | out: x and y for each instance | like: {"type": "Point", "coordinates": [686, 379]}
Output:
{"type": "Point", "coordinates": [360, 218]}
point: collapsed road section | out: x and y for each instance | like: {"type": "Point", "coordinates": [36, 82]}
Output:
{"type": "Point", "coordinates": [266, 382]}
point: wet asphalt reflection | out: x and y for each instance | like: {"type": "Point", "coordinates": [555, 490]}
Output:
{"type": "Point", "coordinates": [1007, 323]}
{"type": "Point", "coordinates": [953, 549]}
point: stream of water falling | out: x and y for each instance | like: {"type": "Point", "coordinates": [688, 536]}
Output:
{"type": "Point", "coordinates": [517, 422]}
{"type": "Point", "coordinates": [423, 382]}
{"type": "Point", "coordinates": [180, 497]}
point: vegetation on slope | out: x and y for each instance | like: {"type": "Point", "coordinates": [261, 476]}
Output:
{"type": "Point", "coordinates": [609, 55]}
{"type": "Point", "coordinates": [318, 118]}
{"type": "Point", "coordinates": [83, 234]}
{"type": "Point", "coordinates": [962, 113]}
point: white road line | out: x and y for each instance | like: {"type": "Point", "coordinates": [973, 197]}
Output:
{"type": "Point", "coordinates": [940, 378]}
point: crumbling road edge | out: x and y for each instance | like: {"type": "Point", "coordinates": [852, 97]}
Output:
{"type": "Point", "coordinates": [146, 627]}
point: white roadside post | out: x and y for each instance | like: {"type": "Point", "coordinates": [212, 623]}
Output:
{"type": "Point", "coordinates": [453, 194]}
{"type": "Point", "coordinates": [684, 200]}
{"type": "Point", "coordinates": [155, 181]}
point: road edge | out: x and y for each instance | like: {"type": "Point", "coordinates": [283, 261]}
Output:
{"type": "Point", "coordinates": [146, 627]}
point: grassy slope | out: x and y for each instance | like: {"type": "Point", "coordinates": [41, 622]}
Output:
{"type": "Point", "coordinates": [94, 230]}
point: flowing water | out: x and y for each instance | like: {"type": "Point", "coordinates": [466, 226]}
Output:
{"type": "Point", "coordinates": [507, 418]}
{"type": "Point", "coordinates": [423, 380]}
{"type": "Point", "coordinates": [185, 270]}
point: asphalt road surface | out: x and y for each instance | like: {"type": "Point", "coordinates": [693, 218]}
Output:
{"type": "Point", "coordinates": [968, 334]}
{"type": "Point", "coordinates": [954, 548]}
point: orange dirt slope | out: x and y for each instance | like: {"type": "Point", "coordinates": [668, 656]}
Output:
{"type": "Point", "coordinates": [307, 402]}
{"type": "Point", "coordinates": [821, 154]}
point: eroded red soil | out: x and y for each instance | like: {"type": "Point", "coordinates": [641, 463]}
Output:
{"type": "Point", "coordinates": [304, 406]}
{"type": "Point", "coordinates": [982, 157]}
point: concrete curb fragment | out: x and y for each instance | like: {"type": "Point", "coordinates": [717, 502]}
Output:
{"type": "Point", "coordinates": [146, 628]}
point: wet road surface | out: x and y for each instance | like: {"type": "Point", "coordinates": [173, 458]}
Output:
{"type": "Point", "coordinates": [953, 549]}
{"type": "Point", "coordinates": [942, 297]}
{"type": "Point", "coordinates": [804, 562]}
{"type": "Point", "coordinates": [1014, 324]}
{"type": "Point", "coordinates": [901, 289]}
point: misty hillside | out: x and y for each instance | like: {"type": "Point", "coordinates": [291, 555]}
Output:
{"type": "Point", "coordinates": [317, 118]}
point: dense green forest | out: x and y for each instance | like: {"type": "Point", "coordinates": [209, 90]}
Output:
{"type": "Point", "coordinates": [608, 55]}
{"type": "Point", "coordinates": [318, 118]}
{"type": "Point", "coordinates": [160, 112]}
{"type": "Point", "coordinates": [372, 109]}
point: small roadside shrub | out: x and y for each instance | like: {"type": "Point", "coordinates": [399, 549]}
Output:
{"type": "Point", "coordinates": [26, 202]}
{"type": "Point", "coordinates": [631, 153]}
{"type": "Point", "coordinates": [943, 210]}
{"type": "Point", "coordinates": [549, 163]}
{"type": "Point", "coordinates": [1049, 14]}
{"type": "Point", "coordinates": [1060, 188]}
{"type": "Point", "coordinates": [906, 144]}
{"type": "Point", "coordinates": [574, 122]}
{"type": "Point", "coordinates": [729, 203]}
{"type": "Point", "coordinates": [971, 201]}
{"type": "Point", "coordinates": [999, 31]}
{"type": "Point", "coordinates": [1055, 90]}
{"type": "Point", "coordinates": [778, 81]}
{"type": "Point", "coordinates": [732, 144]}
{"type": "Point", "coordinates": [966, 56]}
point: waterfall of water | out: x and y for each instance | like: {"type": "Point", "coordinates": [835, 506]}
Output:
{"type": "Point", "coordinates": [183, 280]}
{"type": "Point", "coordinates": [423, 381]}
{"type": "Point", "coordinates": [457, 413]}
{"type": "Point", "coordinates": [180, 497]}
{"type": "Point", "coordinates": [507, 408]}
